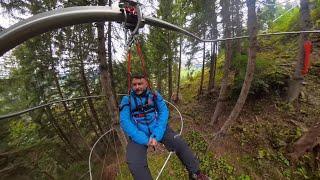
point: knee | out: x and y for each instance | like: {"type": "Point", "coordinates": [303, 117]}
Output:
{"type": "Point", "coordinates": [179, 144]}
{"type": "Point", "coordinates": [136, 162]}
{"type": "Point", "coordinates": [140, 171]}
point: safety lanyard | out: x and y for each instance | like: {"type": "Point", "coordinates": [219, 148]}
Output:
{"type": "Point", "coordinates": [140, 54]}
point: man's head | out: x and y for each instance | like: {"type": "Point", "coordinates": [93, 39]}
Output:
{"type": "Point", "coordinates": [139, 84]}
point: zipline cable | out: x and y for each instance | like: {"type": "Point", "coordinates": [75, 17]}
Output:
{"type": "Point", "coordinates": [285, 13]}
{"type": "Point", "coordinates": [263, 34]}
{"type": "Point", "coordinates": [10, 115]}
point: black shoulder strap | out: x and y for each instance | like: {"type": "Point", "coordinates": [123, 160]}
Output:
{"type": "Point", "coordinates": [135, 102]}
{"type": "Point", "coordinates": [122, 106]}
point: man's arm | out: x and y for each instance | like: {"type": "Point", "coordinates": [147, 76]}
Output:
{"type": "Point", "coordinates": [128, 126]}
{"type": "Point", "coordinates": [163, 115]}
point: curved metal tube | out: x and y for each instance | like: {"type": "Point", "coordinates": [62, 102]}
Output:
{"type": "Point", "coordinates": [163, 24]}
{"type": "Point", "coordinates": [44, 22]}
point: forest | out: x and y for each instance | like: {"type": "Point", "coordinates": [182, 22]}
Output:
{"type": "Point", "coordinates": [247, 100]}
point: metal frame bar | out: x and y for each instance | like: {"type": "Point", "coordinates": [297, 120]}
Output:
{"type": "Point", "coordinates": [10, 115]}
{"type": "Point", "coordinates": [47, 21]}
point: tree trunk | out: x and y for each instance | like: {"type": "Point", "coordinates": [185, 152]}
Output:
{"type": "Point", "coordinates": [238, 25]}
{"type": "Point", "coordinates": [91, 122]}
{"type": "Point", "coordinates": [93, 112]}
{"type": "Point", "coordinates": [179, 71]}
{"type": "Point", "coordinates": [110, 52]}
{"type": "Point", "coordinates": [252, 29]}
{"type": "Point", "coordinates": [212, 67]}
{"type": "Point", "coordinates": [226, 68]}
{"type": "Point", "coordinates": [111, 103]}
{"type": "Point", "coordinates": [62, 134]}
{"type": "Point", "coordinates": [68, 113]}
{"type": "Point", "coordinates": [295, 83]}
{"type": "Point", "coordinates": [66, 109]}
{"type": "Point", "coordinates": [214, 35]}
{"type": "Point", "coordinates": [170, 57]}
{"type": "Point", "coordinates": [203, 64]}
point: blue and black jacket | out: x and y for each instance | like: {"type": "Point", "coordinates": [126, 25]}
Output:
{"type": "Point", "coordinates": [144, 116]}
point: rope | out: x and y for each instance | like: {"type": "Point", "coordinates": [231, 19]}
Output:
{"type": "Point", "coordinates": [142, 61]}
{"type": "Point", "coordinates": [129, 71]}
{"type": "Point", "coordinates": [145, 74]}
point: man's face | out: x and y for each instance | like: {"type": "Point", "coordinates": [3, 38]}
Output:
{"type": "Point", "coordinates": [139, 85]}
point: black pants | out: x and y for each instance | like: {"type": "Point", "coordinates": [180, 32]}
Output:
{"type": "Point", "coordinates": [137, 155]}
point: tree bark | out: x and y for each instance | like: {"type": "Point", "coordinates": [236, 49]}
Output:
{"type": "Point", "coordinates": [170, 57]}
{"type": "Point", "coordinates": [66, 109]}
{"type": "Point", "coordinates": [105, 78]}
{"type": "Point", "coordinates": [110, 65]}
{"type": "Point", "coordinates": [179, 71]}
{"type": "Point", "coordinates": [214, 35]}
{"type": "Point", "coordinates": [252, 29]}
{"type": "Point", "coordinates": [93, 112]}
{"type": "Point", "coordinates": [212, 67]}
{"type": "Point", "coordinates": [68, 113]}
{"type": "Point", "coordinates": [238, 24]}
{"type": "Point", "coordinates": [62, 134]}
{"type": "Point", "coordinates": [91, 122]}
{"type": "Point", "coordinates": [295, 83]}
{"type": "Point", "coordinates": [226, 68]}
{"type": "Point", "coordinates": [203, 64]}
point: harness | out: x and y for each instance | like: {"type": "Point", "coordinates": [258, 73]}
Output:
{"type": "Point", "coordinates": [139, 113]}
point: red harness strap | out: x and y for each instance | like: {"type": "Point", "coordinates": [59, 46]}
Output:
{"type": "Point", "coordinates": [140, 54]}
{"type": "Point", "coordinates": [129, 71]}
{"type": "Point", "coordinates": [307, 51]}
{"type": "Point", "coordinates": [139, 51]}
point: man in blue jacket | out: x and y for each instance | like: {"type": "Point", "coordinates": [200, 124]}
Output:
{"type": "Point", "coordinates": [144, 119]}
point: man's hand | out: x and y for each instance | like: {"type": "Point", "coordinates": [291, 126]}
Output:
{"type": "Point", "coordinates": [152, 142]}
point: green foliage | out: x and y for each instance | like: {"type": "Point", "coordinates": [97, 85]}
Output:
{"type": "Point", "coordinates": [243, 177]}
{"type": "Point", "coordinates": [289, 21]}
{"type": "Point", "coordinates": [216, 168]}
{"type": "Point", "coordinates": [307, 168]}
{"type": "Point", "coordinates": [315, 13]}
{"type": "Point", "coordinates": [196, 142]}
{"type": "Point", "coordinates": [268, 78]}
{"type": "Point", "coordinates": [23, 133]}
{"type": "Point", "coordinates": [78, 169]}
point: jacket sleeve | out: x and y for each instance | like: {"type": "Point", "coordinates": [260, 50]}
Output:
{"type": "Point", "coordinates": [128, 126]}
{"type": "Point", "coordinates": [163, 115]}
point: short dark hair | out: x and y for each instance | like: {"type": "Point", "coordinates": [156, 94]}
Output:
{"type": "Point", "coordinates": [137, 76]}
